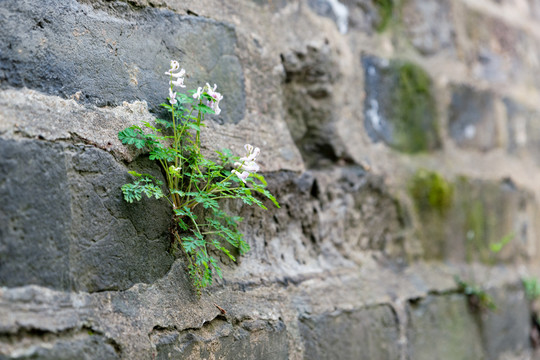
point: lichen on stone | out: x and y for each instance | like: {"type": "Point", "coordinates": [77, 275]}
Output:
{"type": "Point", "coordinates": [431, 191]}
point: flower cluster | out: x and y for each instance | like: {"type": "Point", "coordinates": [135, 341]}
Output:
{"type": "Point", "coordinates": [247, 164]}
{"type": "Point", "coordinates": [215, 97]}
{"type": "Point", "coordinates": [179, 76]}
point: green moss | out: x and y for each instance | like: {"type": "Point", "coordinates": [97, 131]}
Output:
{"type": "Point", "coordinates": [414, 109]}
{"type": "Point", "coordinates": [430, 191]}
{"type": "Point", "coordinates": [385, 8]}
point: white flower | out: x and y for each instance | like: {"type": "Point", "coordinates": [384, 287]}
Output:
{"type": "Point", "coordinates": [198, 94]}
{"type": "Point", "coordinates": [172, 96]}
{"type": "Point", "coordinates": [174, 66]}
{"type": "Point", "coordinates": [250, 166]}
{"type": "Point", "coordinates": [253, 152]}
{"type": "Point", "coordinates": [216, 97]}
{"type": "Point", "coordinates": [179, 74]}
{"type": "Point", "coordinates": [178, 82]}
{"type": "Point", "coordinates": [242, 176]}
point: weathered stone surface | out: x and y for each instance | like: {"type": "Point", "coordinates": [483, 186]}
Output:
{"type": "Point", "coordinates": [327, 219]}
{"type": "Point", "coordinates": [498, 51]}
{"type": "Point", "coordinates": [334, 10]}
{"type": "Point", "coordinates": [399, 107]}
{"type": "Point", "coordinates": [461, 220]}
{"type": "Point", "coordinates": [370, 333]}
{"type": "Point", "coordinates": [34, 241]}
{"type": "Point", "coordinates": [114, 244]}
{"type": "Point", "coordinates": [523, 130]}
{"type": "Point", "coordinates": [310, 75]}
{"type": "Point", "coordinates": [61, 48]}
{"type": "Point", "coordinates": [442, 327]}
{"type": "Point", "coordinates": [475, 118]}
{"type": "Point", "coordinates": [83, 347]}
{"type": "Point", "coordinates": [506, 331]}
{"type": "Point", "coordinates": [92, 240]}
{"type": "Point", "coordinates": [220, 339]}
{"type": "Point", "coordinates": [429, 25]}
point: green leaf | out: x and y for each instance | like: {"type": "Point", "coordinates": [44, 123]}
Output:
{"type": "Point", "coordinates": [167, 123]}
{"type": "Point", "coordinates": [496, 247]}
{"type": "Point", "coordinates": [132, 136]}
{"type": "Point", "coordinates": [203, 109]}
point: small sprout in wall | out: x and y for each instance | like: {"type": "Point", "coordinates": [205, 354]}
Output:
{"type": "Point", "coordinates": [196, 185]}
{"type": "Point", "coordinates": [498, 246]}
{"type": "Point", "coordinates": [532, 288]}
{"type": "Point", "coordinates": [478, 297]}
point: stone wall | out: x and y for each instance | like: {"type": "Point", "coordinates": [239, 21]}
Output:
{"type": "Point", "coordinates": [402, 139]}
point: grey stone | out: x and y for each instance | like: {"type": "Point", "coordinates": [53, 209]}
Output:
{"type": "Point", "coordinates": [399, 107]}
{"type": "Point", "coordinates": [473, 118]}
{"type": "Point", "coordinates": [65, 224]}
{"type": "Point", "coordinates": [460, 220]}
{"type": "Point", "coordinates": [429, 25]}
{"type": "Point", "coordinates": [35, 215]}
{"type": "Point", "coordinates": [114, 244]}
{"type": "Point", "coordinates": [370, 333]}
{"type": "Point", "coordinates": [523, 130]}
{"type": "Point", "coordinates": [334, 10]}
{"type": "Point", "coordinates": [506, 331]}
{"type": "Point", "coordinates": [368, 15]}
{"type": "Point", "coordinates": [311, 113]}
{"type": "Point", "coordinates": [62, 47]}
{"type": "Point", "coordinates": [86, 347]}
{"type": "Point", "coordinates": [442, 327]}
{"type": "Point", "coordinates": [219, 339]}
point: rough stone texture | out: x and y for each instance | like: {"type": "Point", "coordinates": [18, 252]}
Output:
{"type": "Point", "coordinates": [498, 52]}
{"type": "Point", "coordinates": [91, 221]}
{"type": "Point", "coordinates": [255, 339]}
{"type": "Point", "coordinates": [429, 25]}
{"type": "Point", "coordinates": [399, 107]}
{"type": "Point", "coordinates": [454, 335]}
{"type": "Point", "coordinates": [505, 331]}
{"type": "Point", "coordinates": [374, 333]}
{"type": "Point", "coordinates": [119, 58]}
{"type": "Point", "coordinates": [474, 119]}
{"type": "Point", "coordinates": [34, 241]}
{"type": "Point", "coordinates": [361, 110]}
{"type": "Point", "coordinates": [523, 130]}
{"type": "Point", "coordinates": [310, 76]}
{"type": "Point", "coordinates": [461, 220]}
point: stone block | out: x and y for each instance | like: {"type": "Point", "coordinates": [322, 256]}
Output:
{"type": "Point", "coordinates": [35, 215]}
{"type": "Point", "coordinates": [368, 333]}
{"type": "Point", "coordinates": [497, 51]}
{"type": "Point", "coordinates": [65, 225]}
{"type": "Point", "coordinates": [399, 107]}
{"type": "Point", "coordinates": [429, 25]}
{"type": "Point", "coordinates": [311, 73]}
{"type": "Point", "coordinates": [461, 220]}
{"type": "Point", "coordinates": [63, 47]}
{"type": "Point", "coordinates": [443, 327]}
{"type": "Point", "coordinates": [219, 339]}
{"type": "Point", "coordinates": [506, 331]}
{"type": "Point", "coordinates": [334, 10]}
{"type": "Point", "coordinates": [81, 347]}
{"type": "Point", "coordinates": [523, 130]}
{"type": "Point", "coordinates": [475, 118]}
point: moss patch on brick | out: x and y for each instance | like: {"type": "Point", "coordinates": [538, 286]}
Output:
{"type": "Point", "coordinates": [415, 125]}
{"type": "Point", "coordinates": [430, 191]}
{"type": "Point", "coordinates": [385, 9]}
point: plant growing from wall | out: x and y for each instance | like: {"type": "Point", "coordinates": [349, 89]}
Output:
{"type": "Point", "coordinates": [195, 184]}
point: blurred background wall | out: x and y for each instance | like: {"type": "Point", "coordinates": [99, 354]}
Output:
{"type": "Point", "coordinates": [402, 139]}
